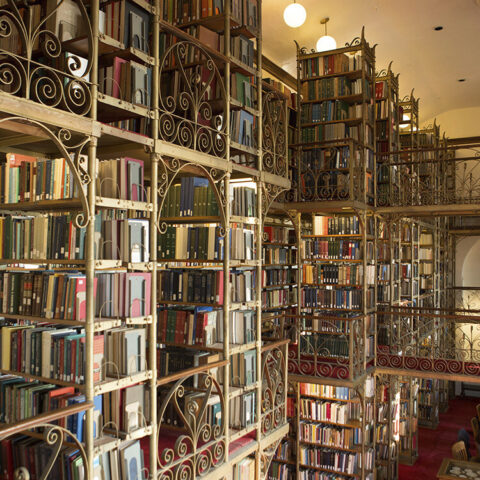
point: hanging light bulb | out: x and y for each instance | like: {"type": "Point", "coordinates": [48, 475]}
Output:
{"type": "Point", "coordinates": [295, 15]}
{"type": "Point", "coordinates": [326, 42]}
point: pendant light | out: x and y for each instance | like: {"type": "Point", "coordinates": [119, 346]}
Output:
{"type": "Point", "coordinates": [326, 42]}
{"type": "Point", "coordinates": [295, 15]}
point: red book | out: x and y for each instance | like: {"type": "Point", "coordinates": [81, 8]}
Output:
{"type": "Point", "coordinates": [180, 327]}
{"type": "Point", "coordinates": [220, 287]}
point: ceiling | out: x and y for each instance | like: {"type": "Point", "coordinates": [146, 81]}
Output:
{"type": "Point", "coordinates": [429, 61]}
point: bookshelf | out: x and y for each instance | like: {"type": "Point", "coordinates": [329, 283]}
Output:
{"type": "Point", "coordinates": [387, 427]}
{"type": "Point", "coordinates": [408, 425]}
{"type": "Point", "coordinates": [387, 136]}
{"type": "Point", "coordinates": [408, 116]}
{"type": "Point", "coordinates": [428, 402]}
{"type": "Point", "coordinates": [121, 95]}
{"type": "Point", "coordinates": [336, 123]}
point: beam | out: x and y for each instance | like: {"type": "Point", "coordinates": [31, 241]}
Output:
{"type": "Point", "coordinates": [453, 377]}
{"type": "Point", "coordinates": [13, 140]}
{"type": "Point", "coordinates": [463, 140]}
{"type": "Point", "coordinates": [279, 73]}
{"type": "Point", "coordinates": [432, 210]}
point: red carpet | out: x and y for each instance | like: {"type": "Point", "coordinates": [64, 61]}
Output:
{"type": "Point", "coordinates": [435, 445]}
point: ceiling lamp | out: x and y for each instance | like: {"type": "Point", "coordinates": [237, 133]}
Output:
{"type": "Point", "coordinates": [295, 15]}
{"type": "Point", "coordinates": [326, 42]}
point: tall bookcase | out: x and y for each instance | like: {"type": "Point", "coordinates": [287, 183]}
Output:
{"type": "Point", "coordinates": [174, 98]}
{"type": "Point", "coordinates": [408, 425]}
{"type": "Point", "coordinates": [387, 423]}
{"type": "Point", "coordinates": [387, 136]}
{"type": "Point", "coordinates": [336, 123]}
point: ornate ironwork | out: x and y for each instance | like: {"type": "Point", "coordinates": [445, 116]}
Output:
{"type": "Point", "coordinates": [275, 159]}
{"type": "Point", "coordinates": [327, 349]}
{"type": "Point", "coordinates": [170, 168]}
{"type": "Point", "coordinates": [266, 457]}
{"type": "Point", "coordinates": [269, 193]}
{"type": "Point", "coordinates": [34, 62]}
{"type": "Point", "coordinates": [55, 439]}
{"type": "Point", "coordinates": [72, 150]}
{"type": "Point", "coordinates": [192, 100]}
{"type": "Point", "coordinates": [274, 378]}
{"type": "Point", "coordinates": [322, 181]}
{"type": "Point", "coordinates": [198, 446]}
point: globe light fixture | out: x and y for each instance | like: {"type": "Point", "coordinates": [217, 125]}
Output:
{"type": "Point", "coordinates": [295, 15]}
{"type": "Point", "coordinates": [326, 42]}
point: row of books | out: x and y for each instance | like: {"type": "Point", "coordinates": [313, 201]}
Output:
{"type": "Point", "coordinates": [243, 409]}
{"type": "Point", "coordinates": [329, 411]}
{"type": "Point", "coordinates": [50, 351]}
{"type": "Point", "coordinates": [197, 326]}
{"type": "Point", "coordinates": [317, 159]}
{"type": "Point", "coordinates": [336, 131]}
{"type": "Point", "coordinates": [383, 109]}
{"type": "Point", "coordinates": [244, 469]}
{"type": "Point", "coordinates": [330, 64]}
{"type": "Point", "coordinates": [125, 410]}
{"type": "Point", "coordinates": [278, 277]}
{"type": "Point", "coordinates": [340, 225]}
{"type": "Point", "coordinates": [243, 368]}
{"type": "Point", "coordinates": [127, 240]}
{"type": "Point", "coordinates": [331, 110]}
{"type": "Point", "coordinates": [243, 89]}
{"type": "Point", "coordinates": [244, 201]}
{"type": "Point", "coordinates": [121, 178]}
{"type": "Point", "coordinates": [123, 294]}
{"type": "Point", "coordinates": [335, 298]}
{"type": "Point", "coordinates": [273, 254]}
{"type": "Point", "coordinates": [21, 398]}
{"type": "Point", "coordinates": [280, 471]}
{"type": "Point", "coordinates": [126, 80]}
{"type": "Point", "coordinates": [184, 242]}
{"type": "Point", "coordinates": [173, 359]}
{"type": "Point", "coordinates": [125, 351]}
{"type": "Point", "coordinates": [192, 287]}
{"type": "Point", "coordinates": [128, 23]}
{"type": "Point", "coordinates": [193, 196]}
{"type": "Point", "coordinates": [326, 435]}
{"type": "Point", "coordinates": [279, 234]}
{"type": "Point", "coordinates": [327, 391]}
{"type": "Point", "coordinates": [332, 249]}
{"type": "Point", "coordinates": [44, 294]}
{"type": "Point", "coordinates": [179, 12]}
{"type": "Point", "coordinates": [341, 462]}
{"type": "Point", "coordinates": [327, 88]}
{"type": "Point", "coordinates": [280, 297]}
{"type": "Point", "coordinates": [55, 236]}
{"type": "Point", "coordinates": [30, 179]}
{"type": "Point", "coordinates": [243, 286]}
{"type": "Point", "coordinates": [243, 128]}
{"type": "Point", "coordinates": [333, 274]}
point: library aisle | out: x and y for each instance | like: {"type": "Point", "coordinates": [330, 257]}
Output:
{"type": "Point", "coordinates": [435, 445]}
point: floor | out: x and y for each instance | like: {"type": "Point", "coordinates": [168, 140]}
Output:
{"type": "Point", "coordinates": [435, 445]}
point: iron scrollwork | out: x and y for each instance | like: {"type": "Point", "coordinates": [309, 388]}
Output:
{"type": "Point", "coordinates": [274, 141]}
{"type": "Point", "coordinates": [273, 389]}
{"type": "Point", "coordinates": [55, 439]}
{"type": "Point", "coordinates": [191, 114]}
{"type": "Point", "coordinates": [36, 65]}
{"type": "Point", "coordinates": [199, 446]}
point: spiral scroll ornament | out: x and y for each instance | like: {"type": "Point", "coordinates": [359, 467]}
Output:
{"type": "Point", "coordinates": [275, 158]}
{"type": "Point", "coordinates": [192, 100]}
{"type": "Point", "coordinates": [273, 390]}
{"type": "Point", "coordinates": [198, 444]}
{"type": "Point", "coordinates": [36, 64]}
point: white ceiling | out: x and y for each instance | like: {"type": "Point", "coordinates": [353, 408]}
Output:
{"type": "Point", "coordinates": [431, 62]}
